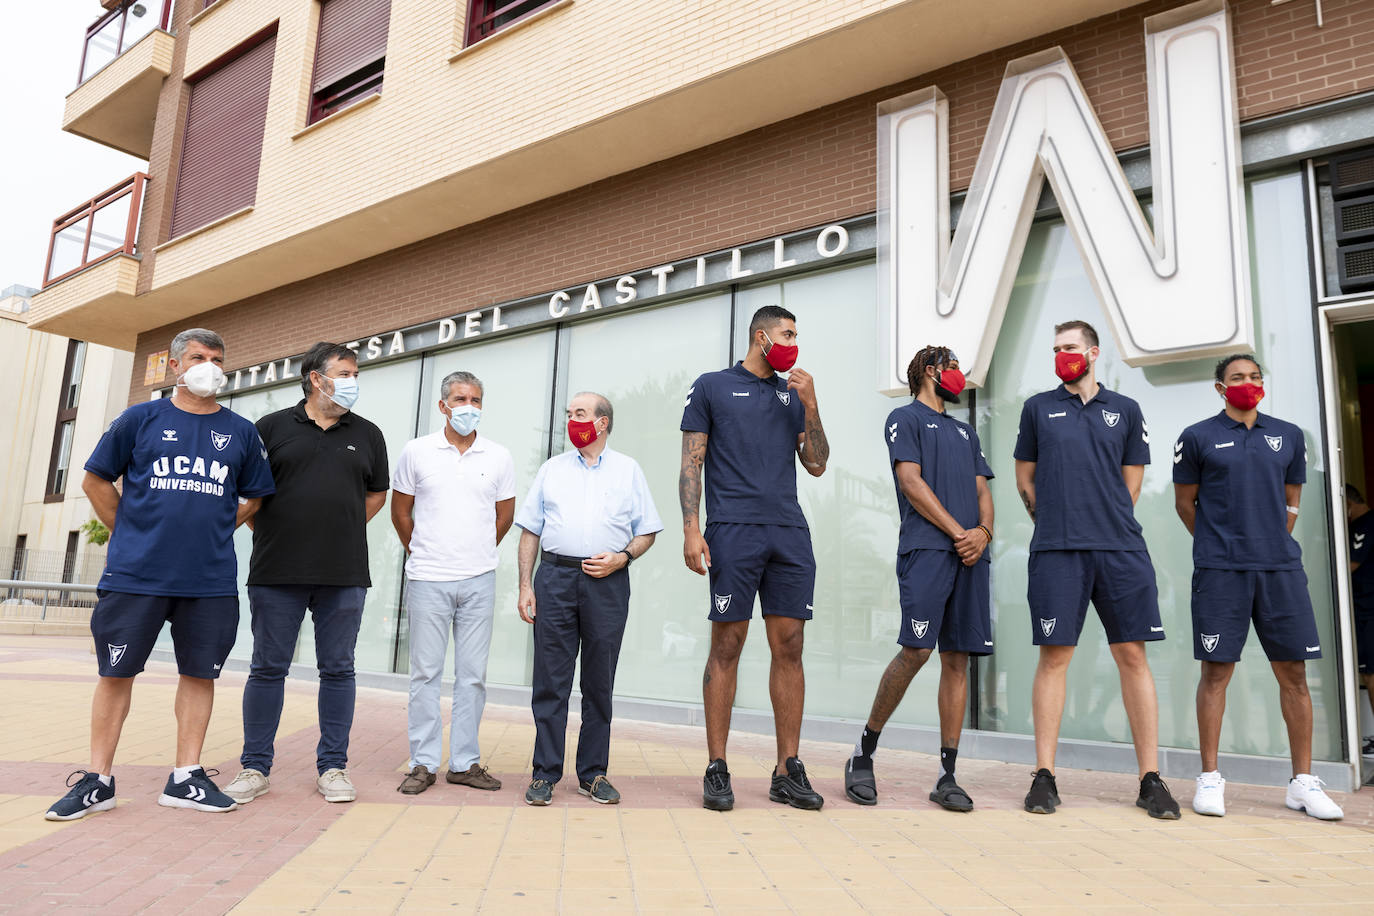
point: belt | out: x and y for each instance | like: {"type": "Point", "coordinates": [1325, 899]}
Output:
{"type": "Point", "coordinates": [560, 560]}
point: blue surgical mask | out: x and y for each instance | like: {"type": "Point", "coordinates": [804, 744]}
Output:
{"type": "Point", "coordinates": [345, 392]}
{"type": "Point", "coordinates": [464, 419]}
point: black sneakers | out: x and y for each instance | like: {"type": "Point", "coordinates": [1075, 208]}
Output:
{"type": "Point", "coordinates": [197, 793]}
{"type": "Point", "coordinates": [860, 786]}
{"type": "Point", "coordinates": [716, 793]}
{"type": "Point", "coordinates": [88, 794]}
{"type": "Point", "coordinates": [1155, 798]}
{"type": "Point", "coordinates": [794, 788]}
{"type": "Point", "coordinates": [1043, 796]}
{"type": "Point", "coordinates": [600, 791]}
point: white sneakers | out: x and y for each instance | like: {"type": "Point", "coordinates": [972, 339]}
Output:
{"type": "Point", "coordinates": [1305, 794]}
{"type": "Point", "coordinates": [248, 785]}
{"type": "Point", "coordinates": [1209, 799]}
{"type": "Point", "coordinates": [335, 786]}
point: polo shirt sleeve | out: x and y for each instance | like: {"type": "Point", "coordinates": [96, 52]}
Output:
{"type": "Point", "coordinates": [643, 514]}
{"type": "Point", "coordinates": [981, 468]}
{"type": "Point", "coordinates": [255, 474]}
{"type": "Point", "coordinates": [1137, 439]}
{"type": "Point", "coordinates": [1296, 472]}
{"type": "Point", "coordinates": [1187, 459]}
{"type": "Point", "coordinates": [1027, 449]}
{"type": "Point", "coordinates": [505, 481]}
{"type": "Point", "coordinates": [1360, 547]}
{"type": "Point", "coordinates": [903, 438]}
{"type": "Point", "coordinates": [696, 413]}
{"type": "Point", "coordinates": [379, 475]}
{"type": "Point", "coordinates": [530, 514]}
{"type": "Point", "coordinates": [403, 478]}
{"type": "Point", "coordinates": [115, 450]}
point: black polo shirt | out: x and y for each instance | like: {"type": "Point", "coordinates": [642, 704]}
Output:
{"type": "Point", "coordinates": [313, 531]}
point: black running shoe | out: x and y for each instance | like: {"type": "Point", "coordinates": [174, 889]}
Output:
{"type": "Point", "coordinates": [716, 793]}
{"type": "Point", "coordinates": [1155, 798]}
{"type": "Point", "coordinates": [197, 793]}
{"type": "Point", "coordinates": [859, 785]}
{"type": "Point", "coordinates": [1043, 796]}
{"type": "Point", "coordinates": [794, 788]}
{"type": "Point", "coordinates": [88, 794]}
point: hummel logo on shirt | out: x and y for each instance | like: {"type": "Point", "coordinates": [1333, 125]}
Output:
{"type": "Point", "coordinates": [987, 642]}
{"type": "Point", "coordinates": [963, 432]}
{"type": "Point", "coordinates": [1313, 648]}
{"type": "Point", "coordinates": [1178, 452]}
{"type": "Point", "coordinates": [169, 435]}
{"type": "Point", "coordinates": [1062, 413]}
{"type": "Point", "coordinates": [351, 448]}
{"type": "Point", "coordinates": [892, 433]}
{"type": "Point", "coordinates": [1359, 541]}
{"type": "Point", "coordinates": [1156, 629]}
{"type": "Point", "coordinates": [932, 426]}
{"type": "Point", "coordinates": [1224, 444]}
{"type": "Point", "coordinates": [740, 394]}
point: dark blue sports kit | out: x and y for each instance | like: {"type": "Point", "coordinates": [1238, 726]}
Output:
{"type": "Point", "coordinates": [171, 554]}
{"type": "Point", "coordinates": [1087, 544]}
{"type": "Point", "coordinates": [1362, 588]}
{"type": "Point", "coordinates": [943, 601]}
{"type": "Point", "coordinates": [758, 537]}
{"type": "Point", "coordinates": [1247, 565]}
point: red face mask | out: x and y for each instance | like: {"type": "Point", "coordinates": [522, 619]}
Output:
{"type": "Point", "coordinates": [953, 381]}
{"type": "Point", "coordinates": [581, 433]}
{"type": "Point", "coordinates": [1244, 397]}
{"type": "Point", "coordinates": [1070, 366]}
{"type": "Point", "coordinates": [779, 356]}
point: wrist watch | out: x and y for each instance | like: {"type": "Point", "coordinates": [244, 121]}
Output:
{"type": "Point", "coordinates": [628, 559]}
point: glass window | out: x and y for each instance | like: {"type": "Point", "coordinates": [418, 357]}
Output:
{"type": "Point", "coordinates": [62, 466]}
{"type": "Point", "coordinates": [71, 398]}
{"type": "Point", "coordinates": [487, 17]}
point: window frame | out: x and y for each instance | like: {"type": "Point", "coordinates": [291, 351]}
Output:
{"type": "Point", "coordinates": [478, 27]}
{"type": "Point", "coordinates": [59, 470]}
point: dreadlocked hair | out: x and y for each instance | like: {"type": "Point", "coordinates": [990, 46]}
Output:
{"type": "Point", "coordinates": [927, 357]}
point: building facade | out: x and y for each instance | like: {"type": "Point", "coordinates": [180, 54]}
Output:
{"type": "Point", "coordinates": [577, 195]}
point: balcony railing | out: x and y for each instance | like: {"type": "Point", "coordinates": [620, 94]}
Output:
{"type": "Point", "coordinates": [119, 30]}
{"type": "Point", "coordinates": [103, 226]}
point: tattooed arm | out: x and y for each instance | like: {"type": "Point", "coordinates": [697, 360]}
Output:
{"type": "Point", "coordinates": [695, 553]}
{"type": "Point", "coordinates": [1025, 485]}
{"type": "Point", "coordinates": [812, 447]}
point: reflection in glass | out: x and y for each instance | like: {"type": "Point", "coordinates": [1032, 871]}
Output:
{"type": "Point", "coordinates": [110, 227]}
{"type": "Point", "coordinates": [67, 248]}
{"type": "Point", "coordinates": [102, 47]}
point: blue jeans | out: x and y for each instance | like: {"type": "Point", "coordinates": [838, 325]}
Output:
{"type": "Point", "coordinates": [277, 614]}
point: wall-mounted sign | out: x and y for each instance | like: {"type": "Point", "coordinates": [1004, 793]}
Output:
{"type": "Point", "coordinates": [1179, 290]}
{"type": "Point", "coordinates": [156, 370]}
{"type": "Point", "coordinates": [768, 258]}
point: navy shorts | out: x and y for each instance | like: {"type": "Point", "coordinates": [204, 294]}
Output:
{"type": "Point", "coordinates": [773, 561]}
{"type": "Point", "coordinates": [941, 597]}
{"type": "Point", "coordinates": [1119, 583]}
{"type": "Point", "coordinates": [1364, 641]}
{"type": "Point", "coordinates": [126, 626]}
{"type": "Point", "coordinates": [1226, 600]}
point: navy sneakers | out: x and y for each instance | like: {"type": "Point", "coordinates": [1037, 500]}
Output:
{"type": "Point", "coordinates": [197, 793]}
{"type": "Point", "coordinates": [88, 794]}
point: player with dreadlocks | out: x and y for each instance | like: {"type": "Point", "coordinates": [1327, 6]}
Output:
{"type": "Point", "coordinates": [943, 579]}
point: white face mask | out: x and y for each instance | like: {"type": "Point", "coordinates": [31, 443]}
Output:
{"type": "Point", "coordinates": [345, 392]}
{"type": "Point", "coordinates": [464, 419]}
{"type": "Point", "coordinates": [202, 379]}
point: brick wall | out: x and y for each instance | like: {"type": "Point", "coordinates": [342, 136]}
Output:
{"type": "Point", "coordinates": [798, 173]}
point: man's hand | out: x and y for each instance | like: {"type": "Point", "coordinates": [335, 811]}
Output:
{"type": "Point", "coordinates": [603, 564]}
{"type": "Point", "coordinates": [694, 548]}
{"type": "Point", "coordinates": [970, 545]}
{"type": "Point", "coordinates": [800, 381]}
{"type": "Point", "coordinates": [524, 604]}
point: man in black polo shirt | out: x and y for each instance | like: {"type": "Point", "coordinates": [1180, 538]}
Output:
{"type": "Point", "coordinates": [310, 551]}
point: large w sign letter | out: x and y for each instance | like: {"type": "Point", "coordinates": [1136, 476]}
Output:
{"type": "Point", "coordinates": [1181, 291]}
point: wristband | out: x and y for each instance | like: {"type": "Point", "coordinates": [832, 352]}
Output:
{"type": "Point", "coordinates": [987, 531]}
{"type": "Point", "coordinates": [628, 558]}
{"type": "Point", "coordinates": [1292, 510]}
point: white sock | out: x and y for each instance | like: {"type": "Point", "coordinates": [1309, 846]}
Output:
{"type": "Point", "coordinates": [181, 774]}
{"type": "Point", "coordinates": [104, 779]}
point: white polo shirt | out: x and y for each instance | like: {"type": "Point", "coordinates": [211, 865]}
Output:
{"type": "Point", "coordinates": [455, 505]}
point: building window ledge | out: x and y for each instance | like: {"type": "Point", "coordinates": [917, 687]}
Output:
{"type": "Point", "coordinates": [329, 119]}
{"type": "Point", "coordinates": [201, 14]}
{"type": "Point", "coordinates": [513, 27]}
{"type": "Point", "coordinates": [206, 228]}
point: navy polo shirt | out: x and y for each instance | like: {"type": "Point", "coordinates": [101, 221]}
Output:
{"type": "Point", "coordinates": [1242, 512]}
{"type": "Point", "coordinates": [1081, 499]}
{"type": "Point", "coordinates": [752, 426]}
{"type": "Point", "coordinates": [1362, 552]}
{"type": "Point", "coordinates": [951, 462]}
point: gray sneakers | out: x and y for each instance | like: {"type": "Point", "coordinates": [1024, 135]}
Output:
{"type": "Point", "coordinates": [335, 786]}
{"type": "Point", "coordinates": [248, 785]}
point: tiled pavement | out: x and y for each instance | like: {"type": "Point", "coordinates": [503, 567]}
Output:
{"type": "Point", "coordinates": [456, 850]}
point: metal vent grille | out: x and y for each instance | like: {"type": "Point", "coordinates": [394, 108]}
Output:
{"type": "Point", "coordinates": [1354, 218]}
{"type": "Point", "coordinates": [1357, 268]}
{"type": "Point", "coordinates": [1352, 173]}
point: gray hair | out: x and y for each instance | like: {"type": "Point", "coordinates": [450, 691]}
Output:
{"type": "Point", "coordinates": [199, 335]}
{"type": "Point", "coordinates": [459, 378]}
{"type": "Point", "coordinates": [603, 408]}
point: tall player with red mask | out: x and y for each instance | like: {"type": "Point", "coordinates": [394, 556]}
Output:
{"type": "Point", "coordinates": [1238, 480]}
{"type": "Point", "coordinates": [1080, 460]}
{"type": "Point", "coordinates": [746, 427]}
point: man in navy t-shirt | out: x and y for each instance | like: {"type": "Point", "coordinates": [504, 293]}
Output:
{"type": "Point", "coordinates": [1080, 459]}
{"type": "Point", "coordinates": [1362, 589]}
{"type": "Point", "coordinates": [1238, 480]}
{"type": "Point", "coordinates": [745, 427]}
{"type": "Point", "coordinates": [193, 472]}
{"type": "Point", "coordinates": [943, 579]}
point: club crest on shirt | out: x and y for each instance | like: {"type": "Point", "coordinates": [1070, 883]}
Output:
{"type": "Point", "coordinates": [785, 397]}
{"type": "Point", "coordinates": [1047, 626]}
{"type": "Point", "coordinates": [116, 653]}
{"type": "Point", "coordinates": [220, 440]}
{"type": "Point", "coordinates": [723, 603]}
{"type": "Point", "coordinates": [1210, 640]}
{"type": "Point", "coordinates": [1111, 418]}
{"type": "Point", "coordinates": [1275, 442]}
{"type": "Point", "coordinates": [919, 627]}
{"type": "Point", "coordinates": [963, 432]}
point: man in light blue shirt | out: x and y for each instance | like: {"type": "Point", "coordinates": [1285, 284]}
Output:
{"type": "Point", "coordinates": [590, 511]}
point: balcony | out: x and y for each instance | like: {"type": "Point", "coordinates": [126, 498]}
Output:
{"type": "Point", "coordinates": [127, 53]}
{"type": "Point", "coordinates": [91, 276]}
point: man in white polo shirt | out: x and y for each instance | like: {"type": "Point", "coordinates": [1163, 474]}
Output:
{"type": "Point", "coordinates": [453, 500]}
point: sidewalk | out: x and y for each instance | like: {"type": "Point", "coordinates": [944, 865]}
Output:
{"type": "Point", "coordinates": [456, 850]}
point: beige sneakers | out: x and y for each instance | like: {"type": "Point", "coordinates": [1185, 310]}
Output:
{"type": "Point", "coordinates": [335, 786]}
{"type": "Point", "coordinates": [248, 785]}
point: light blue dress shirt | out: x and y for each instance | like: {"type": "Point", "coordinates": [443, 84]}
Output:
{"type": "Point", "coordinates": [581, 510]}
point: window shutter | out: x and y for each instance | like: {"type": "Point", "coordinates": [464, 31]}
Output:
{"type": "Point", "coordinates": [222, 146]}
{"type": "Point", "coordinates": [352, 35]}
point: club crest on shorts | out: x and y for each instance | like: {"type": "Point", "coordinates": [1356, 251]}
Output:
{"type": "Point", "coordinates": [1275, 442]}
{"type": "Point", "coordinates": [919, 627]}
{"type": "Point", "coordinates": [1047, 626]}
{"type": "Point", "coordinates": [116, 653]}
{"type": "Point", "coordinates": [723, 603]}
{"type": "Point", "coordinates": [1210, 640]}
{"type": "Point", "coordinates": [219, 440]}
{"type": "Point", "coordinates": [1111, 418]}
{"type": "Point", "coordinates": [784, 396]}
